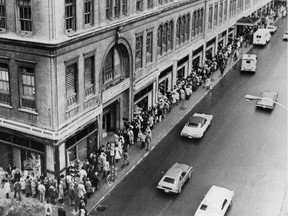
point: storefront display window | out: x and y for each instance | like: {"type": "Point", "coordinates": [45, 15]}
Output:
{"type": "Point", "coordinates": [31, 162]}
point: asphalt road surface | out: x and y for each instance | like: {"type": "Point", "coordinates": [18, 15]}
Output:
{"type": "Point", "coordinates": [244, 149]}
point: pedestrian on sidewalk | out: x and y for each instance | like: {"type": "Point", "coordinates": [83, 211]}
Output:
{"type": "Point", "coordinates": [61, 192]}
{"type": "Point", "coordinates": [48, 208]}
{"type": "Point", "coordinates": [17, 189]}
{"type": "Point", "coordinates": [106, 168]}
{"type": "Point", "coordinates": [6, 188]}
{"type": "Point", "coordinates": [148, 138]}
{"type": "Point", "coordinates": [23, 184]}
{"type": "Point", "coordinates": [126, 158]}
{"type": "Point", "coordinates": [41, 188]}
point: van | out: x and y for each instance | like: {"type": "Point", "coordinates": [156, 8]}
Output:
{"type": "Point", "coordinates": [249, 62]}
{"type": "Point", "coordinates": [261, 36]}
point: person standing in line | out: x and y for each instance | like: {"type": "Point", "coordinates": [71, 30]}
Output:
{"type": "Point", "coordinates": [7, 188]}
{"type": "Point", "coordinates": [126, 158]}
{"type": "Point", "coordinates": [23, 184]}
{"type": "Point", "coordinates": [61, 192]}
{"type": "Point", "coordinates": [41, 188]}
{"type": "Point", "coordinates": [148, 138]}
{"type": "Point", "coordinates": [106, 168]}
{"type": "Point", "coordinates": [48, 208]}
{"type": "Point", "coordinates": [17, 189]}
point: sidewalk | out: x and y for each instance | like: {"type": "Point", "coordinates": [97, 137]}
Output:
{"type": "Point", "coordinates": [136, 155]}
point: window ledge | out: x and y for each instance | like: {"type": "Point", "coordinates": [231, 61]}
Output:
{"type": "Point", "coordinates": [28, 111]}
{"type": "Point", "coordinates": [6, 105]}
{"type": "Point", "coordinates": [89, 97]}
{"type": "Point", "coordinates": [72, 107]}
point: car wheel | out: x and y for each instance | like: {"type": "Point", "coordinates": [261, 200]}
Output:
{"type": "Point", "coordinates": [179, 191]}
{"type": "Point", "coordinates": [190, 175]}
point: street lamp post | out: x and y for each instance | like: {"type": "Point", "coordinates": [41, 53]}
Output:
{"type": "Point", "coordinates": [252, 97]}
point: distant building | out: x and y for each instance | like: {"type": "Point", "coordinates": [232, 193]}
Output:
{"type": "Point", "coordinates": [71, 71]}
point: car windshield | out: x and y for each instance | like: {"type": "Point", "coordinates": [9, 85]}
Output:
{"type": "Point", "coordinates": [169, 180]}
{"type": "Point", "coordinates": [203, 207]}
{"type": "Point", "coordinates": [193, 124]}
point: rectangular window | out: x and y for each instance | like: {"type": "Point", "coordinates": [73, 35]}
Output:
{"type": "Point", "coordinates": [149, 4]}
{"type": "Point", "coordinates": [149, 44]}
{"type": "Point", "coordinates": [89, 75]}
{"type": "Point", "coordinates": [70, 18]}
{"type": "Point", "coordinates": [27, 88]}
{"type": "Point", "coordinates": [88, 12]}
{"type": "Point", "coordinates": [2, 15]}
{"type": "Point", "coordinates": [139, 5]}
{"type": "Point", "coordinates": [216, 15]}
{"type": "Point", "coordinates": [139, 50]}
{"type": "Point", "coordinates": [71, 83]}
{"type": "Point", "coordinates": [117, 8]}
{"type": "Point", "coordinates": [4, 84]}
{"type": "Point", "coordinates": [210, 17]}
{"type": "Point", "coordinates": [108, 9]}
{"type": "Point", "coordinates": [25, 15]}
{"type": "Point", "coordinates": [124, 7]}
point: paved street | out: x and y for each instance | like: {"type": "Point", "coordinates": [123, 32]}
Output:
{"type": "Point", "coordinates": [245, 149]}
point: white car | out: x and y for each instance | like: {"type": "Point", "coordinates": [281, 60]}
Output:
{"type": "Point", "coordinates": [216, 202]}
{"type": "Point", "coordinates": [285, 36]}
{"type": "Point", "coordinates": [272, 28]}
{"type": "Point", "coordinates": [175, 177]}
{"type": "Point", "coordinates": [267, 99]}
{"type": "Point", "coordinates": [196, 125]}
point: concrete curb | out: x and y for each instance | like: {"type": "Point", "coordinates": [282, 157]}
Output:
{"type": "Point", "coordinates": [154, 145]}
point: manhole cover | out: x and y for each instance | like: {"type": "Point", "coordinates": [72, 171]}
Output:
{"type": "Point", "coordinates": [101, 208]}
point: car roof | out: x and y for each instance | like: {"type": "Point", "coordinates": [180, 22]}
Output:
{"type": "Point", "coordinates": [176, 170]}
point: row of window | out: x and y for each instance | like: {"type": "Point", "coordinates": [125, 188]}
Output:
{"type": "Point", "coordinates": [114, 9]}
{"type": "Point", "coordinates": [165, 33]}
{"type": "Point", "coordinates": [28, 84]}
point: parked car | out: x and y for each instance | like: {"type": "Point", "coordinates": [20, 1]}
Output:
{"type": "Point", "coordinates": [267, 99]}
{"type": "Point", "coordinates": [216, 202]}
{"type": "Point", "coordinates": [175, 177]}
{"type": "Point", "coordinates": [196, 125]}
{"type": "Point", "coordinates": [285, 36]}
{"type": "Point", "coordinates": [272, 28]}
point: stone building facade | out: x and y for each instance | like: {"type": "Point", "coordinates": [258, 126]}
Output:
{"type": "Point", "coordinates": [71, 71]}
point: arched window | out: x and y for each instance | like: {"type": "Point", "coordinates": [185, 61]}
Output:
{"type": "Point", "coordinates": [112, 66]}
{"type": "Point", "coordinates": [198, 22]}
{"type": "Point", "coordinates": [178, 30]}
{"type": "Point", "coordinates": [194, 24]}
{"type": "Point", "coordinates": [183, 25]}
{"type": "Point", "coordinates": [201, 21]}
{"type": "Point", "coordinates": [165, 37]}
{"type": "Point", "coordinates": [170, 35]}
{"type": "Point", "coordinates": [187, 33]}
{"type": "Point", "coordinates": [159, 40]}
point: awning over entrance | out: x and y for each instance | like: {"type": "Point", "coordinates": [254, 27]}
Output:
{"type": "Point", "coordinates": [247, 21]}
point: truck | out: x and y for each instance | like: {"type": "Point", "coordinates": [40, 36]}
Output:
{"type": "Point", "coordinates": [261, 37]}
{"type": "Point", "coordinates": [249, 62]}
